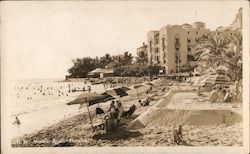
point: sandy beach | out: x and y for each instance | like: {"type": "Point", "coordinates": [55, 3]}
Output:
{"type": "Point", "coordinates": [75, 130]}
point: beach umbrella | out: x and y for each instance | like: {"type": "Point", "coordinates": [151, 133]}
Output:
{"type": "Point", "coordinates": [104, 98]}
{"type": "Point", "coordinates": [116, 92]}
{"type": "Point", "coordinates": [147, 83]}
{"type": "Point", "coordinates": [124, 88]}
{"type": "Point", "coordinates": [140, 88]}
{"type": "Point", "coordinates": [199, 81]}
{"type": "Point", "coordinates": [217, 79]}
{"type": "Point", "coordinates": [157, 82]}
{"type": "Point", "coordinates": [136, 86]}
{"type": "Point", "coordinates": [91, 98]}
{"type": "Point", "coordinates": [86, 97]}
{"type": "Point", "coordinates": [222, 67]}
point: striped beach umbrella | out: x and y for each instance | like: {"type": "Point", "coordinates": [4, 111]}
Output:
{"type": "Point", "coordinates": [217, 79]}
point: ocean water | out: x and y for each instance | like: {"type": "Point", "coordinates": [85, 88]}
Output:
{"type": "Point", "coordinates": [40, 103]}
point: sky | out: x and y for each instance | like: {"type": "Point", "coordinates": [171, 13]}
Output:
{"type": "Point", "coordinates": [39, 39]}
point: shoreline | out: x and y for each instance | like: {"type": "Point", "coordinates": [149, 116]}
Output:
{"type": "Point", "coordinates": [75, 131]}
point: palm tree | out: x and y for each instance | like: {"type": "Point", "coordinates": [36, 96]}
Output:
{"type": "Point", "coordinates": [127, 58]}
{"type": "Point", "coordinates": [142, 58]}
{"type": "Point", "coordinates": [106, 59]}
{"type": "Point", "coordinates": [214, 50]}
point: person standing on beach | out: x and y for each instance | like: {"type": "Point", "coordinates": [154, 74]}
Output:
{"type": "Point", "coordinates": [89, 88]}
{"type": "Point", "coordinates": [120, 109]}
{"type": "Point", "coordinates": [112, 106]}
{"type": "Point", "coordinates": [69, 88]}
{"type": "Point", "coordinates": [198, 91]}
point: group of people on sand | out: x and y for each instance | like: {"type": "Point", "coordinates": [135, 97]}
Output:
{"type": "Point", "coordinates": [116, 113]}
{"type": "Point", "coordinates": [126, 80]}
{"type": "Point", "coordinates": [116, 110]}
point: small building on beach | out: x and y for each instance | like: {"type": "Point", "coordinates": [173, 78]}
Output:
{"type": "Point", "coordinates": [101, 73]}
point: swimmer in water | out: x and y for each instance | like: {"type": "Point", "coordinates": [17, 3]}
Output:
{"type": "Point", "coordinates": [17, 121]}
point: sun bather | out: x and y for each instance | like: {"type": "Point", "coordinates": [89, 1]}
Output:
{"type": "Point", "coordinates": [130, 111]}
{"type": "Point", "coordinates": [145, 102]}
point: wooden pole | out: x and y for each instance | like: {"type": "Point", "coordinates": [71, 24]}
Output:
{"type": "Point", "coordinates": [137, 94]}
{"type": "Point", "coordinates": [180, 130]}
{"type": "Point", "coordinates": [89, 115]}
{"type": "Point", "coordinates": [175, 135]}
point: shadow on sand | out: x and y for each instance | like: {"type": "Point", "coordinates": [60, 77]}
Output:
{"type": "Point", "coordinates": [120, 133]}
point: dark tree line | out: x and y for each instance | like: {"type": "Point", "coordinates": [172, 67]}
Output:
{"type": "Point", "coordinates": [122, 64]}
{"type": "Point", "coordinates": [81, 66]}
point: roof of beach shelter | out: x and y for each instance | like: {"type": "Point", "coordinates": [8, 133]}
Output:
{"type": "Point", "coordinates": [102, 70]}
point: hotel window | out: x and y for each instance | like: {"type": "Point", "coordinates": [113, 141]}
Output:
{"type": "Point", "coordinates": [177, 40]}
{"type": "Point", "coordinates": [196, 32]}
{"type": "Point", "coordinates": [188, 40]}
{"type": "Point", "coordinates": [163, 44]}
{"type": "Point", "coordinates": [156, 41]}
{"type": "Point", "coordinates": [188, 32]}
{"type": "Point", "coordinates": [157, 59]}
{"type": "Point", "coordinates": [156, 50]}
{"type": "Point", "coordinates": [190, 58]}
{"type": "Point", "coordinates": [189, 49]}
